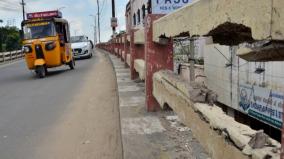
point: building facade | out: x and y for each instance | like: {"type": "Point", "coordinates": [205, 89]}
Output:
{"type": "Point", "coordinates": [136, 11]}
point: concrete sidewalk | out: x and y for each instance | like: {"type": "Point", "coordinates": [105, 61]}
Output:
{"type": "Point", "coordinates": [157, 135]}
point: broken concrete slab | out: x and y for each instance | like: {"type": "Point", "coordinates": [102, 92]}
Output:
{"type": "Point", "coordinates": [263, 17]}
{"type": "Point", "coordinates": [270, 51]}
{"type": "Point", "coordinates": [207, 123]}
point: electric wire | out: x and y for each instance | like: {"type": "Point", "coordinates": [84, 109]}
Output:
{"type": "Point", "coordinates": [102, 11]}
{"type": "Point", "coordinates": [10, 2]}
{"type": "Point", "coordinates": [103, 5]}
{"type": "Point", "coordinates": [9, 9]}
{"type": "Point", "coordinates": [10, 6]}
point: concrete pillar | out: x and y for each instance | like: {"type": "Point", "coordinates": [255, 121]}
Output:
{"type": "Point", "coordinates": [133, 55]}
{"type": "Point", "coordinates": [157, 57]}
{"type": "Point", "coordinates": [112, 46]}
{"type": "Point", "coordinates": [116, 47]}
{"type": "Point", "coordinates": [126, 49]}
{"type": "Point", "coordinates": [121, 47]}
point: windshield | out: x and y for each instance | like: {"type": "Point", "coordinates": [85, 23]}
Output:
{"type": "Point", "coordinates": [77, 39]}
{"type": "Point", "coordinates": [39, 30]}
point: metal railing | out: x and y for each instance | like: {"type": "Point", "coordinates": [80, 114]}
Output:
{"type": "Point", "coordinates": [11, 56]}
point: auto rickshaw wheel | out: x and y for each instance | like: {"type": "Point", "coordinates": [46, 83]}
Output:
{"type": "Point", "coordinates": [46, 71]}
{"type": "Point", "coordinates": [40, 71]}
{"type": "Point", "coordinates": [71, 64]}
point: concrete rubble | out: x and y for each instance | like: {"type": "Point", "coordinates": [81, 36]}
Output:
{"type": "Point", "coordinates": [176, 123]}
{"type": "Point", "coordinates": [172, 90]}
{"type": "Point", "coordinates": [200, 93]}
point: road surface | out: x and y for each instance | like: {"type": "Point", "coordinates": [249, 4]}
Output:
{"type": "Point", "coordinates": [68, 115]}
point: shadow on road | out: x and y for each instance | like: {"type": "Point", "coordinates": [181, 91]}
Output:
{"type": "Point", "coordinates": [51, 73]}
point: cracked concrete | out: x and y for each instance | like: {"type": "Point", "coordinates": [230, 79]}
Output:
{"type": "Point", "coordinates": [220, 134]}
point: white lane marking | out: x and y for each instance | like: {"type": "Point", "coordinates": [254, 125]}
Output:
{"type": "Point", "coordinates": [141, 126]}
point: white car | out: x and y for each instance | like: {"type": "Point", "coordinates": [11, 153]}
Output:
{"type": "Point", "coordinates": [82, 47]}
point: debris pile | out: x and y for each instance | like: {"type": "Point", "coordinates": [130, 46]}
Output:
{"type": "Point", "coordinates": [196, 91]}
{"type": "Point", "coordinates": [199, 93]}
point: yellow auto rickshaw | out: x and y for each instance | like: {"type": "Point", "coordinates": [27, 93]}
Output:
{"type": "Point", "coordinates": [46, 42]}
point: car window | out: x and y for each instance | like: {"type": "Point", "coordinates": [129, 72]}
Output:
{"type": "Point", "coordinates": [76, 39]}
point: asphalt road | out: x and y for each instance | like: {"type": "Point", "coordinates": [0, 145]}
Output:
{"type": "Point", "coordinates": [34, 112]}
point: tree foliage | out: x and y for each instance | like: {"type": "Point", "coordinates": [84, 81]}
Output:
{"type": "Point", "coordinates": [9, 39]}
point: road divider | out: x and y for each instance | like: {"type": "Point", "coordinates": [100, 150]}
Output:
{"type": "Point", "coordinates": [11, 56]}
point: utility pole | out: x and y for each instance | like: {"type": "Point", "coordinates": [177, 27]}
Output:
{"type": "Point", "coordinates": [23, 8]}
{"type": "Point", "coordinates": [95, 28]}
{"type": "Point", "coordinates": [113, 14]}
{"type": "Point", "coordinates": [95, 31]}
{"type": "Point", "coordinates": [95, 35]}
{"type": "Point", "coordinates": [99, 28]}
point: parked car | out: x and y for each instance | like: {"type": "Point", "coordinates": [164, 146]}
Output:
{"type": "Point", "coordinates": [82, 47]}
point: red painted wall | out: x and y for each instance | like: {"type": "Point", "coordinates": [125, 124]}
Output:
{"type": "Point", "coordinates": [140, 51]}
{"type": "Point", "coordinates": [157, 57]}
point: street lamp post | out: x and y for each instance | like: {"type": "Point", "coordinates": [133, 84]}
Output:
{"type": "Point", "coordinates": [113, 15]}
{"type": "Point", "coordinates": [23, 9]}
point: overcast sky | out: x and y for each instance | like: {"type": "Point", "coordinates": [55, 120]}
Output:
{"type": "Point", "coordinates": [76, 12]}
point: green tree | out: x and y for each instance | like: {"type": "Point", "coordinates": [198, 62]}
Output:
{"type": "Point", "coordinates": [9, 37]}
{"type": "Point", "coordinates": [1, 42]}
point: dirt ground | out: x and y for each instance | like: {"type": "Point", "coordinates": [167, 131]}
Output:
{"type": "Point", "coordinates": [90, 128]}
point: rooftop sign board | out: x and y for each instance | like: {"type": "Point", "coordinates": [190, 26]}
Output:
{"type": "Point", "coordinates": [47, 14]}
{"type": "Point", "coordinates": [167, 6]}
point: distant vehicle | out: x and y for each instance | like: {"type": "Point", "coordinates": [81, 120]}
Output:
{"type": "Point", "coordinates": [82, 47]}
{"type": "Point", "coordinates": [46, 42]}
